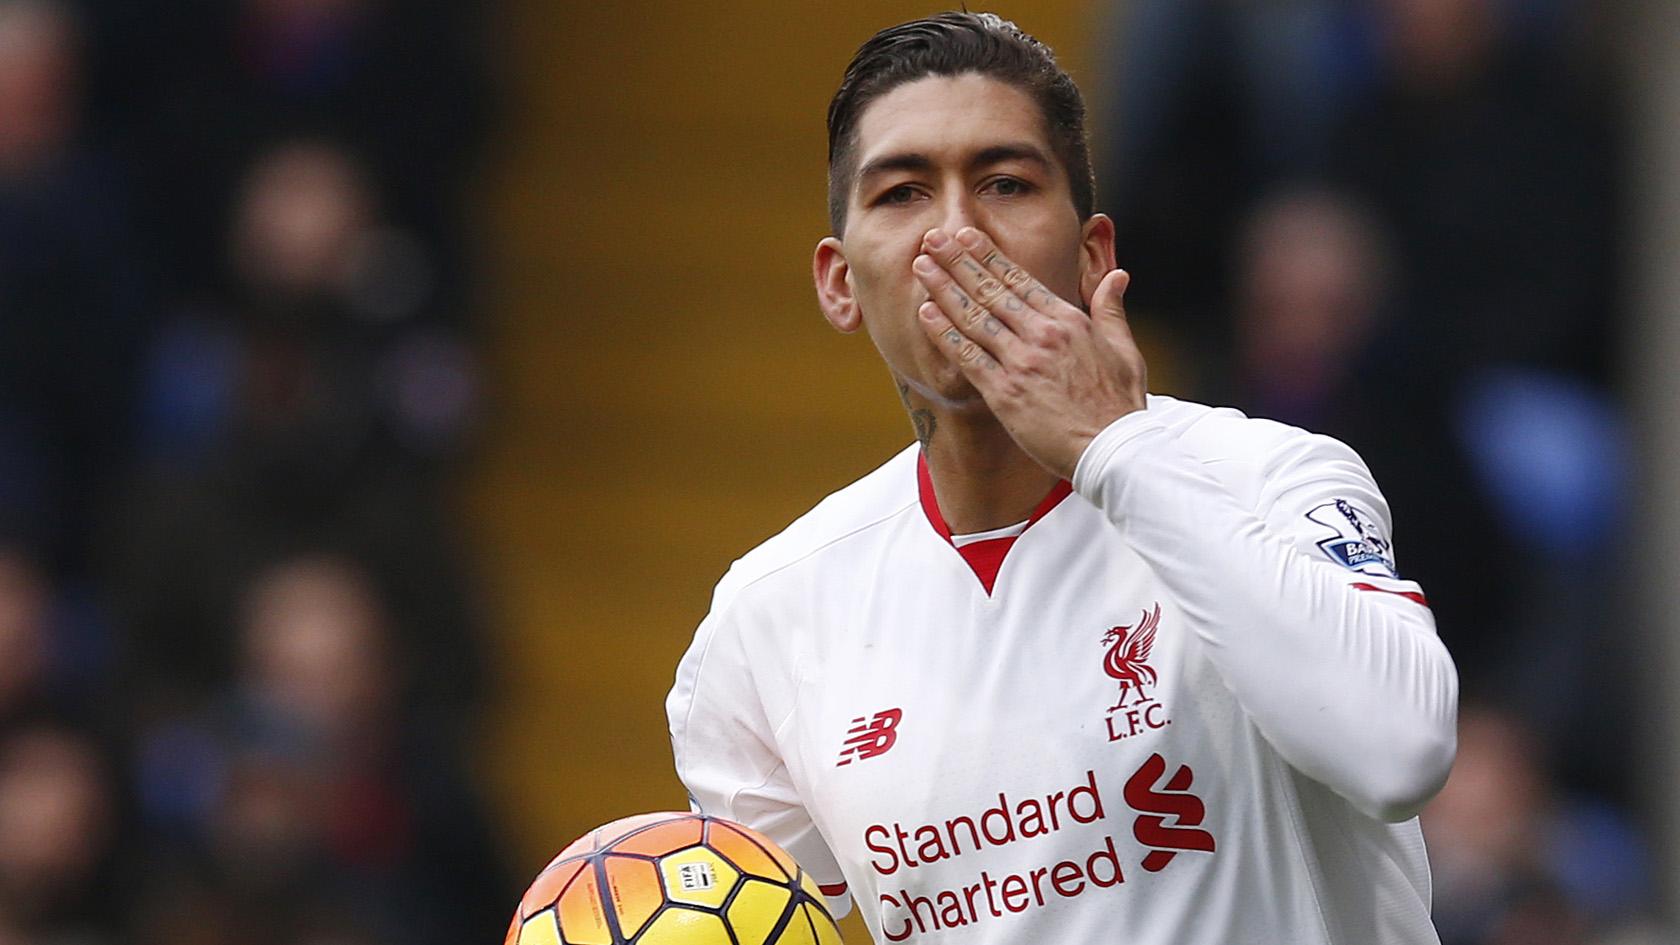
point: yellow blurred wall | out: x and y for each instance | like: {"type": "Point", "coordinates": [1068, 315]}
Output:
{"type": "Point", "coordinates": [666, 393]}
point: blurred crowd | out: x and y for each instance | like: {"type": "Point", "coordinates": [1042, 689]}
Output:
{"type": "Point", "coordinates": [1398, 222]}
{"type": "Point", "coordinates": [241, 652]}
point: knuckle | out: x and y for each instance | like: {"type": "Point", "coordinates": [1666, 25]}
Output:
{"type": "Point", "coordinates": [1015, 277]}
{"type": "Point", "coordinates": [977, 316]}
{"type": "Point", "coordinates": [988, 291]}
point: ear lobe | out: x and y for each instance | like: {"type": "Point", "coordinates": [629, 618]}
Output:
{"type": "Point", "coordinates": [829, 271]}
{"type": "Point", "coordinates": [1096, 255]}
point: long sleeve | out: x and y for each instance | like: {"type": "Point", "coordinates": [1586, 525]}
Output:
{"type": "Point", "coordinates": [725, 749]}
{"type": "Point", "coordinates": [1293, 593]}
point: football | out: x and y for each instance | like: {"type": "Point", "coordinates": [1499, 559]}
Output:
{"type": "Point", "coordinates": [673, 879]}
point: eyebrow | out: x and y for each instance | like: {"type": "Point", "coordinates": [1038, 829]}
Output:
{"type": "Point", "coordinates": [985, 157]}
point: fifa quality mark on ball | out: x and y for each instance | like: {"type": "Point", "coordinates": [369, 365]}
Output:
{"type": "Point", "coordinates": [694, 876]}
{"type": "Point", "coordinates": [673, 879]}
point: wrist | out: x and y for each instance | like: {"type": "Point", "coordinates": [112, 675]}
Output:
{"type": "Point", "coordinates": [1104, 452]}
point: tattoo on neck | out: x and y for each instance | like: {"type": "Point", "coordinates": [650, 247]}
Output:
{"type": "Point", "coordinates": [920, 417]}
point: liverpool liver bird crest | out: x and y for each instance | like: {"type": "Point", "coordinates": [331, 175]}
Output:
{"type": "Point", "coordinates": [1128, 656]}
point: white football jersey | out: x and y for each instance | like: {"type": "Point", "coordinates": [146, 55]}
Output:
{"type": "Point", "coordinates": [1191, 704]}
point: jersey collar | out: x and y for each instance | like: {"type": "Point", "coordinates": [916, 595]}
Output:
{"type": "Point", "coordinates": [985, 558]}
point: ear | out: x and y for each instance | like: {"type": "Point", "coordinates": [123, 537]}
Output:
{"type": "Point", "coordinates": [832, 276]}
{"type": "Point", "coordinates": [1096, 256]}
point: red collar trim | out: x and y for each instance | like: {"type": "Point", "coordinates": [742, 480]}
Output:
{"type": "Point", "coordinates": [985, 558]}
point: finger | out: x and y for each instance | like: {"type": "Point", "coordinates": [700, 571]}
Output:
{"type": "Point", "coordinates": [1108, 318]}
{"type": "Point", "coordinates": [1015, 278]}
{"type": "Point", "coordinates": [1108, 306]}
{"type": "Point", "coordinates": [976, 280]}
{"type": "Point", "coordinates": [970, 317]}
{"type": "Point", "coordinates": [974, 361]}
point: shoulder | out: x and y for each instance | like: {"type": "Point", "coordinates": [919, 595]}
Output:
{"type": "Point", "coordinates": [843, 517]}
{"type": "Point", "coordinates": [743, 644]}
{"type": "Point", "coordinates": [1266, 461]}
{"type": "Point", "coordinates": [1227, 435]}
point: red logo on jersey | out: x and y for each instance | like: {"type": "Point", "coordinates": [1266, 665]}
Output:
{"type": "Point", "coordinates": [870, 736]}
{"type": "Point", "coordinates": [1127, 661]}
{"type": "Point", "coordinates": [1185, 808]}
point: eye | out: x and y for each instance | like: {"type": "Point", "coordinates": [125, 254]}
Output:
{"type": "Point", "coordinates": [1009, 187]}
{"type": "Point", "coordinates": [901, 194]}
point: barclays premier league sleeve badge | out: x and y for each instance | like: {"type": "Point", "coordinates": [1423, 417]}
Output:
{"type": "Point", "coordinates": [1355, 542]}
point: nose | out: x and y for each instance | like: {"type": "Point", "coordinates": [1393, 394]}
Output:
{"type": "Point", "coordinates": [959, 210]}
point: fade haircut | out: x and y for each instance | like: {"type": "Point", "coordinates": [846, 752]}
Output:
{"type": "Point", "coordinates": [953, 44]}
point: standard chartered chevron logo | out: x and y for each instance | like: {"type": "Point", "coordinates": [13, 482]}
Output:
{"type": "Point", "coordinates": [1175, 801]}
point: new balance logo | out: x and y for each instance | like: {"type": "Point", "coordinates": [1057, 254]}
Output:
{"type": "Point", "coordinates": [870, 736]}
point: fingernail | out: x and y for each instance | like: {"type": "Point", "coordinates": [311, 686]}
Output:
{"type": "Point", "coordinates": [936, 239]}
{"type": "Point", "coordinates": [969, 236]}
{"type": "Point", "coordinates": [925, 264]}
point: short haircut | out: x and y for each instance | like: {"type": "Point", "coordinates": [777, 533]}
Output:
{"type": "Point", "coordinates": [953, 44]}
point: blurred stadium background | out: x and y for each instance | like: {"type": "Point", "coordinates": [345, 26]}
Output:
{"type": "Point", "coordinates": [384, 384]}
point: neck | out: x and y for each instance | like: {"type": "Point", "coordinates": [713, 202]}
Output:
{"type": "Point", "coordinates": [982, 478]}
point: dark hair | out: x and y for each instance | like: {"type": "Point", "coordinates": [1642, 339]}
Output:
{"type": "Point", "coordinates": [951, 44]}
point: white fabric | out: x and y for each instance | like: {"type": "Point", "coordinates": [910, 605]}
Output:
{"type": "Point", "coordinates": [1299, 705]}
{"type": "Point", "coordinates": [1007, 531]}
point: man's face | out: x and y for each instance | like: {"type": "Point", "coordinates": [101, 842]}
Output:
{"type": "Point", "coordinates": [950, 152]}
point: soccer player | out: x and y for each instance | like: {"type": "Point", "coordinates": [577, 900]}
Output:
{"type": "Point", "coordinates": [1083, 664]}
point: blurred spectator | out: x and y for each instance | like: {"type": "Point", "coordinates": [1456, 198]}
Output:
{"type": "Point", "coordinates": [72, 300]}
{"type": "Point", "coordinates": [1515, 860]}
{"type": "Point", "coordinates": [304, 409]}
{"type": "Point", "coordinates": [23, 638]}
{"type": "Point", "coordinates": [1417, 104]}
{"type": "Point", "coordinates": [403, 82]}
{"type": "Point", "coordinates": [1494, 166]}
{"type": "Point", "coordinates": [316, 326]}
{"type": "Point", "coordinates": [1312, 291]}
{"type": "Point", "coordinates": [57, 818]}
{"type": "Point", "coordinates": [53, 659]}
{"type": "Point", "coordinates": [312, 790]}
{"type": "Point", "coordinates": [1214, 102]}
